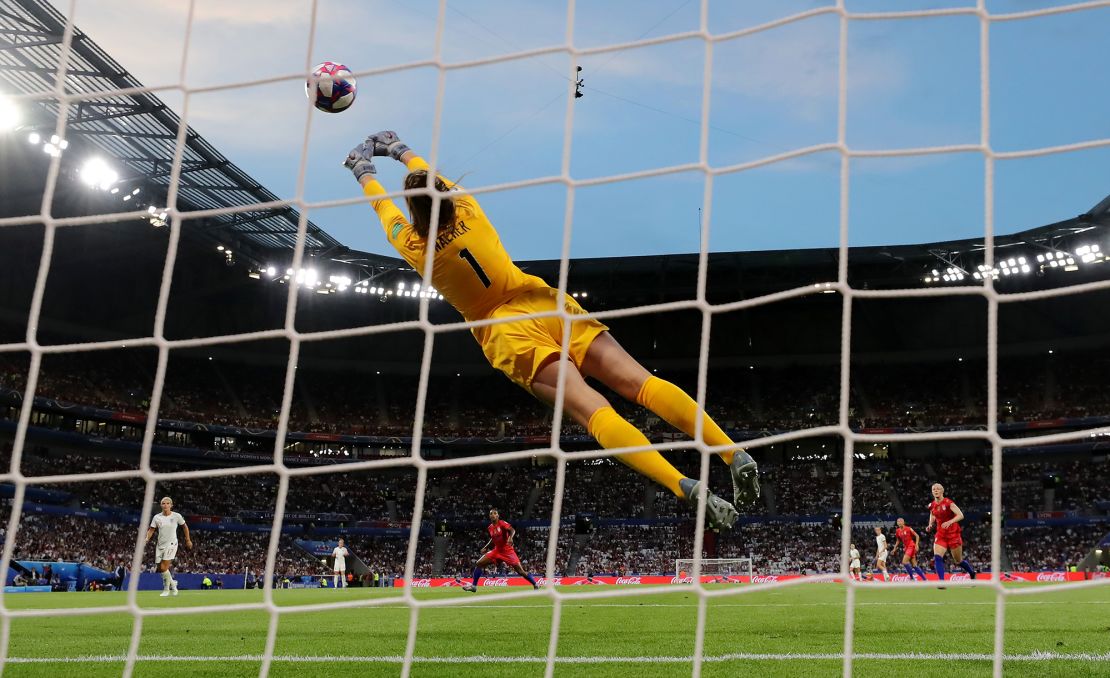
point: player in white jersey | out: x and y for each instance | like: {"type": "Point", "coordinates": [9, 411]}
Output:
{"type": "Point", "coordinates": [340, 553]}
{"type": "Point", "coordinates": [853, 566]}
{"type": "Point", "coordinates": [165, 523]}
{"type": "Point", "coordinates": [881, 551]}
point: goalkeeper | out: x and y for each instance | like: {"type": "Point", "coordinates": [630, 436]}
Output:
{"type": "Point", "coordinates": [472, 270]}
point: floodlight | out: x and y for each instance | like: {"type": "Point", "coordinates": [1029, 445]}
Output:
{"type": "Point", "coordinates": [978, 276]}
{"type": "Point", "coordinates": [1011, 262]}
{"type": "Point", "coordinates": [1083, 249]}
{"type": "Point", "coordinates": [585, 294]}
{"type": "Point", "coordinates": [1025, 268]}
{"type": "Point", "coordinates": [34, 137]}
{"type": "Point", "coordinates": [1021, 260]}
{"type": "Point", "coordinates": [96, 173]}
{"type": "Point", "coordinates": [219, 248]}
{"type": "Point", "coordinates": [1094, 248]}
{"type": "Point", "coordinates": [271, 271]}
{"type": "Point", "coordinates": [10, 115]}
{"type": "Point", "coordinates": [1040, 257]}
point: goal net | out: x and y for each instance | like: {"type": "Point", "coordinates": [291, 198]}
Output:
{"type": "Point", "coordinates": [717, 568]}
{"type": "Point", "coordinates": [61, 91]}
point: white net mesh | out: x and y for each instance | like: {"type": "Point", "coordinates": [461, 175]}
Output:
{"type": "Point", "coordinates": [51, 225]}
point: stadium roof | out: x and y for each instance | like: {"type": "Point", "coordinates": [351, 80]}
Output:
{"type": "Point", "coordinates": [137, 130]}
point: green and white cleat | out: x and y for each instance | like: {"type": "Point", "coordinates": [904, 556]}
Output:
{"type": "Point", "coordinates": [745, 478]}
{"type": "Point", "coordinates": [718, 513]}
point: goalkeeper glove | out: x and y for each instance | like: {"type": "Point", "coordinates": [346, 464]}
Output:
{"type": "Point", "coordinates": [361, 160]}
{"type": "Point", "coordinates": [387, 143]}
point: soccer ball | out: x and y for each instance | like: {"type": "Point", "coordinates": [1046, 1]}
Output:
{"type": "Point", "coordinates": [331, 87]}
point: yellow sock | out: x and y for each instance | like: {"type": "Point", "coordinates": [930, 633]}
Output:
{"type": "Point", "coordinates": [611, 430]}
{"type": "Point", "coordinates": [679, 410]}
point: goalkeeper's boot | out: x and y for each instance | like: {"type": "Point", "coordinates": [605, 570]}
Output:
{"type": "Point", "coordinates": [718, 513]}
{"type": "Point", "coordinates": [164, 594]}
{"type": "Point", "coordinates": [745, 478]}
{"type": "Point", "coordinates": [469, 587]}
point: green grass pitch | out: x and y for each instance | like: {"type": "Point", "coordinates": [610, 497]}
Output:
{"type": "Point", "coordinates": [795, 631]}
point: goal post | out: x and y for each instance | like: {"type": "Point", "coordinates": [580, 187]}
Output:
{"type": "Point", "coordinates": [716, 567]}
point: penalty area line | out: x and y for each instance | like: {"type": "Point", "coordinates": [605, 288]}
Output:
{"type": "Point", "coordinates": [485, 659]}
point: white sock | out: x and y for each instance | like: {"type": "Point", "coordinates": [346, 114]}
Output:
{"type": "Point", "coordinates": [886, 576]}
{"type": "Point", "coordinates": [166, 579]}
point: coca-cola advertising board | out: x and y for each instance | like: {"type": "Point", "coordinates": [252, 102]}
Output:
{"type": "Point", "coordinates": [636, 580]}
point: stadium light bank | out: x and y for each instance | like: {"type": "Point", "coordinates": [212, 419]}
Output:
{"type": "Point", "coordinates": [10, 115]}
{"type": "Point", "coordinates": [1021, 266]}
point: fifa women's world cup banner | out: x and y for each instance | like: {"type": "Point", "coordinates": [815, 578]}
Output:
{"type": "Point", "coordinates": [634, 580]}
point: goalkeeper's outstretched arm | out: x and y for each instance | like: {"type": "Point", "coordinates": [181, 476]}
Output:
{"type": "Point", "coordinates": [361, 163]}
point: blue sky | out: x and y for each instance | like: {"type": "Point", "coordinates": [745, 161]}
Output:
{"type": "Point", "coordinates": [911, 83]}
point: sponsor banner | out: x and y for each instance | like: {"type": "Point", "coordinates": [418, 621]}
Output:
{"type": "Point", "coordinates": [648, 580]}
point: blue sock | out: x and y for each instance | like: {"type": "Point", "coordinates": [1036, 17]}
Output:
{"type": "Point", "coordinates": [530, 579]}
{"type": "Point", "coordinates": [909, 570]}
{"type": "Point", "coordinates": [966, 566]}
{"type": "Point", "coordinates": [921, 573]}
{"type": "Point", "coordinates": [938, 563]}
{"type": "Point", "coordinates": [477, 573]}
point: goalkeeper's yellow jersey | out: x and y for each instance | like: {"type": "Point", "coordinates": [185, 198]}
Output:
{"type": "Point", "coordinates": [470, 268]}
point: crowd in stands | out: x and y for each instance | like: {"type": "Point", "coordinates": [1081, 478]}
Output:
{"type": "Point", "coordinates": [1050, 548]}
{"type": "Point", "coordinates": [222, 392]}
{"type": "Point", "coordinates": [602, 488]}
{"type": "Point", "coordinates": [460, 497]}
{"type": "Point", "coordinates": [776, 548]}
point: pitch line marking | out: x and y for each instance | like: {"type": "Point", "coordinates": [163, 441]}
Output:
{"type": "Point", "coordinates": [485, 659]}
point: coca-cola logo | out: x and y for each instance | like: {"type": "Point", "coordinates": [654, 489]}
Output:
{"type": "Point", "coordinates": [682, 580]}
{"type": "Point", "coordinates": [543, 581]}
{"type": "Point", "coordinates": [421, 583]}
{"type": "Point", "coordinates": [1051, 576]}
{"type": "Point", "coordinates": [899, 577]}
{"type": "Point", "coordinates": [628, 580]}
{"type": "Point", "coordinates": [496, 581]}
{"type": "Point", "coordinates": [765, 578]}
{"type": "Point", "coordinates": [959, 577]}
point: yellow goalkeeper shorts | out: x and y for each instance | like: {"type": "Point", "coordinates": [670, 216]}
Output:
{"type": "Point", "coordinates": [520, 347]}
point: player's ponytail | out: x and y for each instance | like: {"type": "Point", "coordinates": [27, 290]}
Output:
{"type": "Point", "coordinates": [420, 205]}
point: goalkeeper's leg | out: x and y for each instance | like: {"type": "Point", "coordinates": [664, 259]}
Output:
{"type": "Point", "coordinates": [590, 409]}
{"type": "Point", "coordinates": [609, 363]}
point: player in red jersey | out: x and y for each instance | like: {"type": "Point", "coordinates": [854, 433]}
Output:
{"type": "Point", "coordinates": [908, 539]}
{"type": "Point", "coordinates": [946, 516]}
{"type": "Point", "coordinates": [501, 538]}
